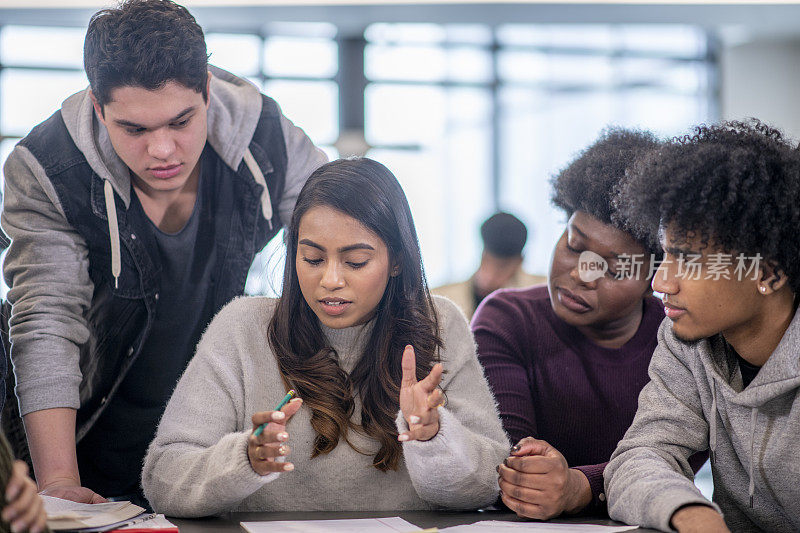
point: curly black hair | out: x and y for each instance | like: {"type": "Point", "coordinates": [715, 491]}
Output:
{"type": "Point", "coordinates": [734, 186]}
{"type": "Point", "coordinates": [589, 182]}
{"type": "Point", "coordinates": [144, 43]}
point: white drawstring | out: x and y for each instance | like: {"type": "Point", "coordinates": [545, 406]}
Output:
{"type": "Point", "coordinates": [752, 486]}
{"type": "Point", "coordinates": [712, 437]}
{"type": "Point", "coordinates": [266, 203]}
{"type": "Point", "coordinates": [113, 231]}
{"type": "Point", "coordinates": [113, 225]}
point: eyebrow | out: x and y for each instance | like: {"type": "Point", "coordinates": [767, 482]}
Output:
{"type": "Point", "coordinates": [348, 248]}
{"type": "Point", "coordinates": [674, 250]}
{"type": "Point", "coordinates": [612, 254]}
{"type": "Point", "coordinates": [129, 124]}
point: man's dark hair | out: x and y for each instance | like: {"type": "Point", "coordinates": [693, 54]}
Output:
{"type": "Point", "coordinates": [504, 235]}
{"type": "Point", "coordinates": [589, 182]}
{"type": "Point", "coordinates": [734, 186]}
{"type": "Point", "coordinates": [144, 43]}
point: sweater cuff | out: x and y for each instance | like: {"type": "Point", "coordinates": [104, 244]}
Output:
{"type": "Point", "coordinates": [244, 470]}
{"type": "Point", "coordinates": [447, 425]}
{"type": "Point", "coordinates": [594, 473]}
{"type": "Point", "coordinates": [673, 499]}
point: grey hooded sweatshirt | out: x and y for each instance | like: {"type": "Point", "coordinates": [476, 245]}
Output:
{"type": "Point", "coordinates": [695, 401]}
{"type": "Point", "coordinates": [47, 264]}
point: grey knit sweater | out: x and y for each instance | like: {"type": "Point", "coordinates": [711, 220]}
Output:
{"type": "Point", "coordinates": [197, 465]}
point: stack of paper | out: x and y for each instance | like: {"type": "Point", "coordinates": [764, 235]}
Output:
{"type": "Point", "coordinates": [65, 515]}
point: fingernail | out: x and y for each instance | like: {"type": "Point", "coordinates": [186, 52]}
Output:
{"type": "Point", "coordinates": [505, 461]}
{"type": "Point", "coordinates": [282, 436]}
{"type": "Point", "coordinates": [283, 449]}
{"type": "Point", "coordinates": [515, 448]}
{"type": "Point", "coordinates": [9, 514]}
{"type": "Point", "coordinates": [278, 415]}
{"type": "Point", "coordinates": [288, 467]}
{"type": "Point", "coordinates": [402, 438]}
{"type": "Point", "coordinates": [16, 527]}
{"type": "Point", "coordinates": [497, 469]}
{"type": "Point", "coordinates": [413, 419]}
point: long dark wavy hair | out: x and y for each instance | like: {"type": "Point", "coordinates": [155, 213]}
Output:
{"type": "Point", "coordinates": [368, 192]}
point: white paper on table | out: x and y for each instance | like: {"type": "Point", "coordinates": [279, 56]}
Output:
{"type": "Point", "coordinates": [497, 526]}
{"type": "Point", "coordinates": [356, 525]}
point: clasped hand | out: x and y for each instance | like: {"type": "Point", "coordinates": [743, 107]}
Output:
{"type": "Point", "coordinates": [264, 449]}
{"type": "Point", "coordinates": [419, 399]}
{"type": "Point", "coordinates": [536, 482]}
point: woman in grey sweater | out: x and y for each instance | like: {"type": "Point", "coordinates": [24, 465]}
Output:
{"type": "Point", "coordinates": [395, 412]}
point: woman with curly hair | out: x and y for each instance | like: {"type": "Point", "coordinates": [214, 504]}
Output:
{"type": "Point", "coordinates": [370, 354]}
{"type": "Point", "coordinates": [566, 361]}
{"type": "Point", "coordinates": [726, 373]}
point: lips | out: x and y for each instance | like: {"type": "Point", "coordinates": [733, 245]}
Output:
{"type": "Point", "coordinates": [673, 312]}
{"type": "Point", "coordinates": [572, 301]}
{"type": "Point", "coordinates": [166, 172]}
{"type": "Point", "coordinates": [334, 306]}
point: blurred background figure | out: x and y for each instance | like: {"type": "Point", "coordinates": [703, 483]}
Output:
{"type": "Point", "coordinates": [504, 237]}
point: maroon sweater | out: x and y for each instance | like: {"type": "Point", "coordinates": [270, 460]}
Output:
{"type": "Point", "coordinates": [553, 383]}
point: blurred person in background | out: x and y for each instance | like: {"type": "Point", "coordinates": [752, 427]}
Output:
{"type": "Point", "coordinates": [504, 237]}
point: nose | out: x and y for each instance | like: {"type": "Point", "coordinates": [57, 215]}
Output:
{"type": "Point", "coordinates": [665, 280]}
{"type": "Point", "coordinates": [575, 274]}
{"type": "Point", "coordinates": [332, 278]}
{"type": "Point", "coordinates": [161, 145]}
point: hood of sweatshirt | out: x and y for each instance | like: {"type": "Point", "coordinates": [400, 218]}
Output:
{"type": "Point", "coordinates": [233, 114]}
{"type": "Point", "coordinates": [779, 375]}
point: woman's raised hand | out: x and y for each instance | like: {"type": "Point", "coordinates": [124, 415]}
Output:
{"type": "Point", "coordinates": [271, 443]}
{"type": "Point", "coordinates": [419, 399]}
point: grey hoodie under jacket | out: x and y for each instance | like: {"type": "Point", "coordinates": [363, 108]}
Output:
{"type": "Point", "coordinates": [695, 401]}
{"type": "Point", "coordinates": [47, 264]}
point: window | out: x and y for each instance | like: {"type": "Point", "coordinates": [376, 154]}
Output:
{"type": "Point", "coordinates": [470, 118]}
{"type": "Point", "coordinates": [473, 120]}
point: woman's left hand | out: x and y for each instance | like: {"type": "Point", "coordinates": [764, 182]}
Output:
{"type": "Point", "coordinates": [419, 399]}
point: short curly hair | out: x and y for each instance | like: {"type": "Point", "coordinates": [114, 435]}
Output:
{"type": "Point", "coordinates": [144, 43]}
{"type": "Point", "coordinates": [735, 186]}
{"type": "Point", "coordinates": [590, 181]}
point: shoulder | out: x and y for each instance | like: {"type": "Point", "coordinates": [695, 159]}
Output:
{"type": "Point", "coordinates": [457, 340]}
{"type": "Point", "coordinates": [672, 349]}
{"type": "Point", "coordinates": [447, 311]}
{"type": "Point", "coordinates": [244, 315]}
{"type": "Point", "coordinates": [509, 306]}
{"type": "Point", "coordinates": [237, 337]}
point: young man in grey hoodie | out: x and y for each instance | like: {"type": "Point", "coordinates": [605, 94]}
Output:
{"type": "Point", "coordinates": [134, 214]}
{"type": "Point", "coordinates": [725, 375]}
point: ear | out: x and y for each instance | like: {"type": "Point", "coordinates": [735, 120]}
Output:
{"type": "Point", "coordinates": [208, 89]}
{"type": "Point", "coordinates": [98, 110]}
{"type": "Point", "coordinates": [772, 279]}
{"type": "Point", "coordinates": [395, 271]}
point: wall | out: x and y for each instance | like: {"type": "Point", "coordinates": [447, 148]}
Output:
{"type": "Point", "coordinates": [761, 79]}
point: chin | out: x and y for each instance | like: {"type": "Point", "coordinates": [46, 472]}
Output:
{"type": "Point", "coordinates": [572, 318]}
{"type": "Point", "coordinates": [685, 336]}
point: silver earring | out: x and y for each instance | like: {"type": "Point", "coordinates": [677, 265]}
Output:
{"type": "Point", "coordinates": [762, 289]}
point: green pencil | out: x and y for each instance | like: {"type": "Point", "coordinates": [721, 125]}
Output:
{"type": "Point", "coordinates": [289, 395]}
